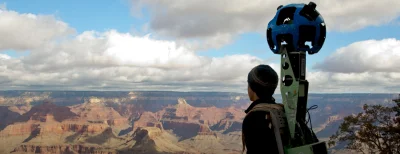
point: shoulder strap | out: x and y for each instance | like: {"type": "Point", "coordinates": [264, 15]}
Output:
{"type": "Point", "coordinates": [267, 107]}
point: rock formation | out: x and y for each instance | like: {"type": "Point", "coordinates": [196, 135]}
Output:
{"type": "Point", "coordinates": [140, 122]}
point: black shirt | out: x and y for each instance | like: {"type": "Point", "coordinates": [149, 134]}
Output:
{"type": "Point", "coordinates": [259, 138]}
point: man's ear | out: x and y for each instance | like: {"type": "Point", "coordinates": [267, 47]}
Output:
{"type": "Point", "coordinates": [255, 97]}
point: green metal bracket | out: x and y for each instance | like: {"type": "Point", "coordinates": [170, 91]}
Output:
{"type": "Point", "coordinates": [289, 93]}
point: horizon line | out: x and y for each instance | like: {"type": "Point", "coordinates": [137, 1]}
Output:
{"type": "Point", "coordinates": [190, 91]}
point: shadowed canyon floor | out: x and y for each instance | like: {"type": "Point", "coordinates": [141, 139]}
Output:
{"type": "Point", "coordinates": [145, 122]}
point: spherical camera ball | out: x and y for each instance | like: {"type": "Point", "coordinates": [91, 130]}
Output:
{"type": "Point", "coordinates": [300, 26]}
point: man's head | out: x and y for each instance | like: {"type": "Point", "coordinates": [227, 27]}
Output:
{"type": "Point", "coordinates": [262, 81]}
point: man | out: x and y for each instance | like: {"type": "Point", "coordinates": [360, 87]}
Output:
{"type": "Point", "coordinates": [257, 135]}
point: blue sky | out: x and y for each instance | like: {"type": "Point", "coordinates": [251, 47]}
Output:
{"type": "Point", "coordinates": [101, 16]}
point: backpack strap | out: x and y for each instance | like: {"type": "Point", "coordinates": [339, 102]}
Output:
{"type": "Point", "coordinates": [276, 114]}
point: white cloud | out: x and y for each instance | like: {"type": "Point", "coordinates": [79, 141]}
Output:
{"type": "Point", "coordinates": [120, 61]}
{"type": "Point", "coordinates": [4, 56]}
{"type": "Point", "coordinates": [365, 66]}
{"type": "Point", "coordinates": [143, 51]}
{"type": "Point", "coordinates": [220, 21]}
{"type": "Point", "coordinates": [373, 82]}
{"type": "Point", "coordinates": [364, 56]}
{"type": "Point", "coordinates": [28, 31]}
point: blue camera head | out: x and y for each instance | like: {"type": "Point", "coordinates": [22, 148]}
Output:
{"type": "Point", "coordinates": [299, 25]}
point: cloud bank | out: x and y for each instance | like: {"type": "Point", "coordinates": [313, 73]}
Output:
{"type": "Point", "coordinates": [60, 59]}
{"type": "Point", "coordinates": [210, 20]}
{"type": "Point", "coordinates": [109, 60]}
{"type": "Point", "coordinates": [370, 65]}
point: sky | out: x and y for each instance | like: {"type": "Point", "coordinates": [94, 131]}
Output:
{"type": "Point", "coordinates": [188, 45]}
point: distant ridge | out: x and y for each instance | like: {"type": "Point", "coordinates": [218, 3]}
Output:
{"type": "Point", "coordinates": [143, 121]}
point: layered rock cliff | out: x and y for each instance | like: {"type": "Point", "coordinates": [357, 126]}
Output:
{"type": "Point", "coordinates": [139, 122]}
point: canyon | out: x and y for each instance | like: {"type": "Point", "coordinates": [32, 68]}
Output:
{"type": "Point", "coordinates": [145, 122]}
